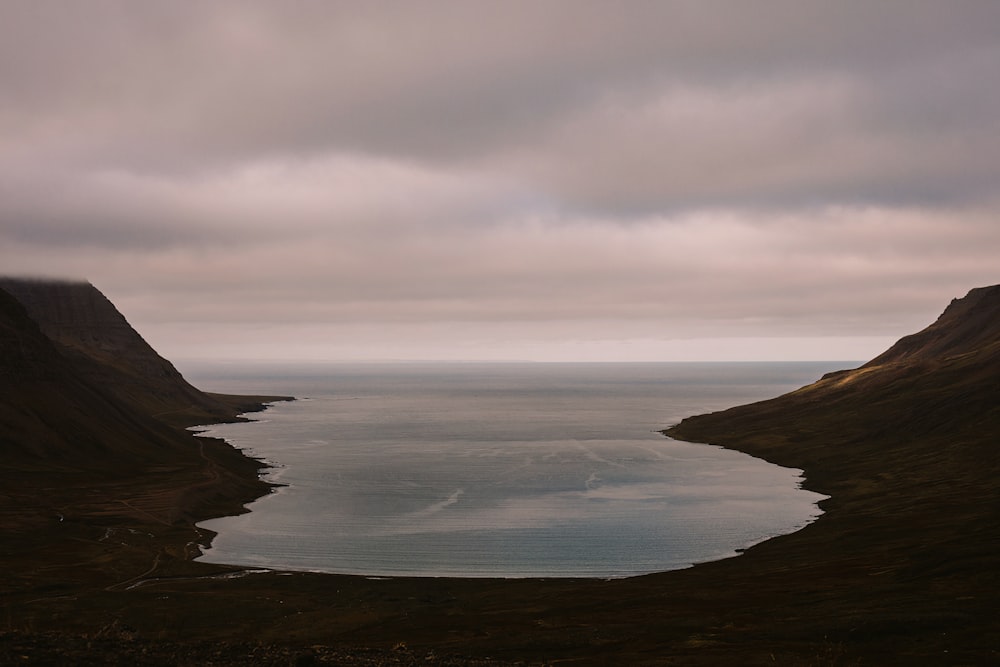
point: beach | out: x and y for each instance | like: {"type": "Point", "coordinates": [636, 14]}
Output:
{"type": "Point", "coordinates": [900, 569]}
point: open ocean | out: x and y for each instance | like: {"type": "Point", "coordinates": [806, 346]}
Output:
{"type": "Point", "coordinates": [501, 469]}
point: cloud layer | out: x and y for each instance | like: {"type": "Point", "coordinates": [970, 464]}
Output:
{"type": "Point", "coordinates": [500, 180]}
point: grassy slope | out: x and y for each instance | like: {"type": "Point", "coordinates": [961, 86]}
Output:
{"type": "Point", "coordinates": [907, 447]}
{"type": "Point", "coordinates": [902, 568]}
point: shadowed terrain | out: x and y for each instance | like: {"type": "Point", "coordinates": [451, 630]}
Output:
{"type": "Point", "coordinates": [101, 490]}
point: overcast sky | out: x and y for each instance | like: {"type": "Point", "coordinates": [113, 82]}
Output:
{"type": "Point", "coordinates": [505, 180]}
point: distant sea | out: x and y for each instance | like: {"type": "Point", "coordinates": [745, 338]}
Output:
{"type": "Point", "coordinates": [501, 469]}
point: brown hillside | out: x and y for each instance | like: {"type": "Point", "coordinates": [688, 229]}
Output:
{"type": "Point", "coordinates": [53, 417]}
{"type": "Point", "coordinates": [81, 396]}
{"type": "Point", "coordinates": [940, 386]}
{"type": "Point", "coordinates": [104, 348]}
{"type": "Point", "coordinates": [903, 568]}
{"type": "Point", "coordinates": [968, 325]}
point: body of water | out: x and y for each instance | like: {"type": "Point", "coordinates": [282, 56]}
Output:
{"type": "Point", "coordinates": [501, 470]}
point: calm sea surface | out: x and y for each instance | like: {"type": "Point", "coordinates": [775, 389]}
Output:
{"type": "Point", "coordinates": [506, 469]}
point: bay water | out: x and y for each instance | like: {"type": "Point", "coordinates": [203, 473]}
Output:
{"type": "Point", "coordinates": [501, 469]}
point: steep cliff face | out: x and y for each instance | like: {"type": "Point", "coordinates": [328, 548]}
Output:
{"type": "Point", "coordinates": [79, 317]}
{"type": "Point", "coordinates": [103, 347]}
{"type": "Point", "coordinates": [90, 422]}
{"type": "Point", "coordinates": [24, 350]}
{"type": "Point", "coordinates": [81, 390]}
{"type": "Point", "coordinates": [90, 431]}
{"type": "Point", "coordinates": [51, 416]}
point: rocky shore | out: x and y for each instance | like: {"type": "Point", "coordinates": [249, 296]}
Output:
{"type": "Point", "coordinates": [901, 569]}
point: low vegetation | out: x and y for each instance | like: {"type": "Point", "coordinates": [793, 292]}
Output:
{"type": "Point", "coordinates": [101, 490]}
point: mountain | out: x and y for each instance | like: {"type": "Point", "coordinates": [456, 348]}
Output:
{"type": "Point", "coordinates": [104, 349]}
{"type": "Point", "coordinates": [931, 390]}
{"type": "Point", "coordinates": [52, 416]}
{"type": "Point", "coordinates": [86, 403]}
{"type": "Point", "coordinates": [907, 448]}
{"type": "Point", "coordinates": [900, 569]}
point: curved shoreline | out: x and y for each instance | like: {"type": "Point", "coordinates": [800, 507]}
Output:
{"type": "Point", "coordinates": [902, 568]}
{"type": "Point", "coordinates": [863, 582]}
{"type": "Point", "coordinates": [803, 595]}
{"type": "Point", "coordinates": [779, 506]}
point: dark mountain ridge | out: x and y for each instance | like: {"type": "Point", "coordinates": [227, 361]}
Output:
{"type": "Point", "coordinates": [902, 568]}
{"type": "Point", "coordinates": [940, 384]}
{"type": "Point", "coordinates": [52, 416]}
{"type": "Point", "coordinates": [968, 325]}
{"type": "Point", "coordinates": [86, 402]}
{"type": "Point", "coordinates": [103, 347]}
{"type": "Point", "coordinates": [907, 448]}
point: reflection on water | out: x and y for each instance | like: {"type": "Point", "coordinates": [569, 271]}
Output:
{"type": "Point", "coordinates": [511, 470]}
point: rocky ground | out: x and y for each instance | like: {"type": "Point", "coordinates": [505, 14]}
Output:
{"type": "Point", "coordinates": [901, 569]}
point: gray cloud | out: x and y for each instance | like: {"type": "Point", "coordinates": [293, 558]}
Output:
{"type": "Point", "coordinates": [503, 177]}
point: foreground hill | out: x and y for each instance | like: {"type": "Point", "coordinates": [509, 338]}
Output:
{"type": "Point", "coordinates": [901, 569]}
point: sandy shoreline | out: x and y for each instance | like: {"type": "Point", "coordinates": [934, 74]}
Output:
{"type": "Point", "coordinates": [811, 595]}
{"type": "Point", "coordinates": [903, 567]}
{"type": "Point", "coordinates": [454, 567]}
{"type": "Point", "coordinates": [900, 569]}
